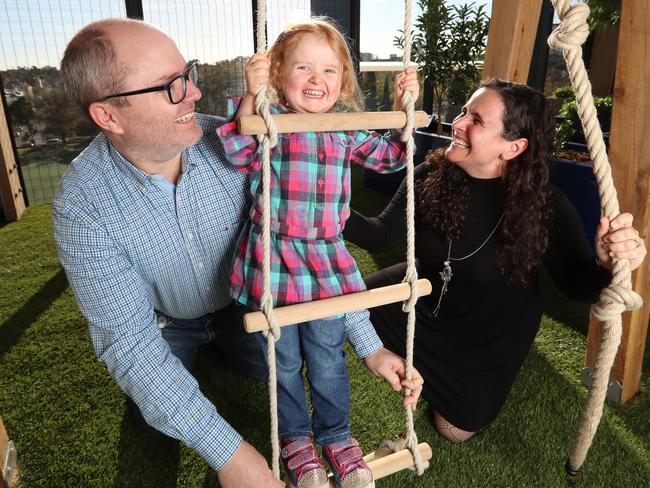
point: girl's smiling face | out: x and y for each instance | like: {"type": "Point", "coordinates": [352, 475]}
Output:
{"type": "Point", "coordinates": [311, 76]}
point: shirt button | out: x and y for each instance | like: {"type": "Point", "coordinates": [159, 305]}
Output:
{"type": "Point", "coordinates": [320, 182]}
{"type": "Point", "coordinates": [190, 236]}
{"type": "Point", "coordinates": [321, 155]}
{"type": "Point", "coordinates": [143, 189]}
{"type": "Point", "coordinates": [178, 198]}
{"type": "Point", "coordinates": [199, 265]}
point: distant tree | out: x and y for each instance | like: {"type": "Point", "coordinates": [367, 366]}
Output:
{"type": "Point", "coordinates": [469, 35]}
{"type": "Point", "coordinates": [57, 112]}
{"type": "Point", "coordinates": [219, 82]}
{"type": "Point", "coordinates": [21, 112]}
{"type": "Point", "coordinates": [48, 74]}
{"type": "Point", "coordinates": [22, 116]}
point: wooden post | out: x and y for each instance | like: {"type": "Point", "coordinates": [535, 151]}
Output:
{"type": "Point", "coordinates": [511, 39]}
{"type": "Point", "coordinates": [10, 189]}
{"type": "Point", "coordinates": [602, 64]}
{"type": "Point", "coordinates": [629, 153]}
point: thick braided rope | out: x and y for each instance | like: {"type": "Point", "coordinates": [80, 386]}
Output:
{"type": "Point", "coordinates": [411, 277]}
{"type": "Point", "coordinates": [618, 297]}
{"type": "Point", "coordinates": [266, 303]}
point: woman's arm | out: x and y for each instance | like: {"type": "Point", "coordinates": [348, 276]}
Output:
{"type": "Point", "coordinates": [570, 259]}
{"type": "Point", "coordinates": [388, 229]}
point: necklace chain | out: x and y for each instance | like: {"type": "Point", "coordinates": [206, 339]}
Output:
{"type": "Point", "coordinates": [449, 258]}
{"type": "Point", "coordinates": [446, 273]}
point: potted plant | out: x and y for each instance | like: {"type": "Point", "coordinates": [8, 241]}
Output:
{"type": "Point", "coordinates": [571, 168]}
{"type": "Point", "coordinates": [448, 44]}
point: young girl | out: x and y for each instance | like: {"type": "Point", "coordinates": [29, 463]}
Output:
{"type": "Point", "coordinates": [310, 68]}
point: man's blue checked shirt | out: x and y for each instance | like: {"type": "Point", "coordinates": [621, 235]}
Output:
{"type": "Point", "coordinates": [131, 245]}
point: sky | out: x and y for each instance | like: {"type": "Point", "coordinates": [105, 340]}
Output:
{"type": "Point", "coordinates": [35, 32]}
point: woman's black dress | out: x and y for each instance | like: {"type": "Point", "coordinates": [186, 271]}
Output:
{"type": "Point", "coordinates": [470, 353]}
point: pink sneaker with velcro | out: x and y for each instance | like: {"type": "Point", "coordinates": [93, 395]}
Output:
{"type": "Point", "coordinates": [302, 464]}
{"type": "Point", "coordinates": [347, 464]}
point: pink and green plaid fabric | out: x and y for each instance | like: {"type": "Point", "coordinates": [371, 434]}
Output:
{"type": "Point", "coordinates": [310, 202]}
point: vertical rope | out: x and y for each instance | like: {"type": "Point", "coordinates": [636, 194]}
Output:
{"type": "Point", "coordinates": [618, 296]}
{"type": "Point", "coordinates": [266, 303]}
{"type": "Point", "coordinates": [408, 105]}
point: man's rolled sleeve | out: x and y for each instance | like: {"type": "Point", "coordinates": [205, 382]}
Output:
{"type": "Point", "coordinates": [361, 333]}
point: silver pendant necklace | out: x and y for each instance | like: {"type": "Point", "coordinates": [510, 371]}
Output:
{"type": "Point", "coordinates": [446, 273]}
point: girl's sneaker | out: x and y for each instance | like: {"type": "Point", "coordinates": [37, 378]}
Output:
{"type": "Point", "coordinates": [347, 464]}
{"type": "Point", "coordinates": [302, 464]}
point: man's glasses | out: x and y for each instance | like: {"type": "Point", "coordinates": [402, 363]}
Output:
{"type": "Point", "coordinates": [176, 89]}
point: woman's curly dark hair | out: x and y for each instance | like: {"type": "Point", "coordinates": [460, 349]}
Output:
{"type": "Point", "coordinates": [443, 196]}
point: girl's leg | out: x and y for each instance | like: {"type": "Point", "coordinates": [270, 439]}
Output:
{"type": "Point", "coordinates": [329, 385]}
{"type": "Point", "coordinates": [293, 415]}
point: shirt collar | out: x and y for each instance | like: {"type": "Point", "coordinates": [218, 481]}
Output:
{"type": "Point", "coordinates": [142, 177]}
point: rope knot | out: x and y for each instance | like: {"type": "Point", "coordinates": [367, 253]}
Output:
{"type": "Point", "coordinates": [266, 306]}
{"type": "Point", "coordinates": [421, 465]}
{"type": "Point", "coordinates": [573, 29]}
{"type": "Point", "coordinates": [263, 110]}
{"type": "Point", "coordinates": [411, 277]}
{"type": "Point", "coordinates": [614, 300]}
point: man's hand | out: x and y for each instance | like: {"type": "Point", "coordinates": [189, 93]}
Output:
{"type": "Point", "coordinates": [247, 469]}
{"type": "Point", "coordinates": [391, 367]}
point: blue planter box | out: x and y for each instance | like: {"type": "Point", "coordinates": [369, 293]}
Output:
{"type": "Point", "coordinates": [578, 183]}
{"type": "Point", "coordinates": [389, 183]}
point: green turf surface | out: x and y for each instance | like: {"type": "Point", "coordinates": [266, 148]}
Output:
{"type": "Point", "coordinates": [42, 167]}
{"type": "Point", "coordinates": [71, 427]}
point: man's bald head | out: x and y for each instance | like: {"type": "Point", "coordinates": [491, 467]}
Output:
{"type": "Point", "coordinates": [93, 64]}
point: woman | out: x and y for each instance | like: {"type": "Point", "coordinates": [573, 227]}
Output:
{"type": "Point", "coordinates": [486, 218]}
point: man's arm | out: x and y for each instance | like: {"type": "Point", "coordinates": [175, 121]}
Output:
{"type": "Point", "coordinates": [361, 333]}
{"type": "Point", "coordinates": [380, 361]}
{"type": "Point", "coordinates": [114, 299]}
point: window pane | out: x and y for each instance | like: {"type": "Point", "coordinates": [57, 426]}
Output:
{"type": "Point", "coordinates": [47, 128]}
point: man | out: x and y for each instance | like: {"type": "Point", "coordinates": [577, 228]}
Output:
{"type": "Point", "coordinates": [145, 222]}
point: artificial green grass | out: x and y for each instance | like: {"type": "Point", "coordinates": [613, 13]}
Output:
{"type": "Point", "coordinates": [43, 166]}
{"type": "Point", "coordinates": [72, 429]}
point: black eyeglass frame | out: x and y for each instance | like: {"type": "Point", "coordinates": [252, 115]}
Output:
{"type": "Point", "coordinates": [185, 77]}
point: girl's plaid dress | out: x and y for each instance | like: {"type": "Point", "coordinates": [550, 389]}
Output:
{"type": "Point", "coordinates": [310, 202]}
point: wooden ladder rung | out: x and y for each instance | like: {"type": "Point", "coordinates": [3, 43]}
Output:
{"type": "Point", "coordinates": [319, 309]}
{"type": "Point", "coordinates": [384, 464]}
{"type": "Point", "coordinates": [330, 121]}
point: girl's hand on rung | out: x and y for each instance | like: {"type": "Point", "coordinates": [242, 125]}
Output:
{"type": "Point", "coordinates": [256, 73]}
{"type": "Point", "coordinates": [406, 81]}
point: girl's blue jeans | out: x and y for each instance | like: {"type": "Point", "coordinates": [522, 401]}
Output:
{"type": "Point", "coordinates": [318, 345]}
